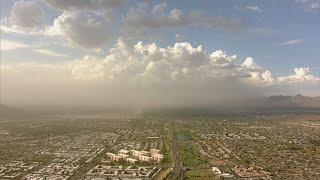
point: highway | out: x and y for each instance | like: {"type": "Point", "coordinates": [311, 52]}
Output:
{"type": "Point", "coordinates": [178, 172]}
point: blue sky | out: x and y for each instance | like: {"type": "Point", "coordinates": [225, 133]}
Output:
{"type": "Point", "coordinates": [276, 43]}
{"type": "Point", "coordinates": [279, 22]}
{"type": "Point", "coordinates": [260, 36]}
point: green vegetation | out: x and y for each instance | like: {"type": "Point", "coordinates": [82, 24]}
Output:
{"type": "Point", "coordinates": [199, 174]}
{"type": "Point", "coordinates": [189, 155]}
{"type": "Point", "coordinates": [167, 161]}
{"type": "Point", "coordinates": [187, 150]}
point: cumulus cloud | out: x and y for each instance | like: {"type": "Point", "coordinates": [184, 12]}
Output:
{"type": "Point", "coordinates": [151, 62]}
{"type": "Point", "coordinates": [182, 61]}
{"type": "Point", "coordinates": [84, 4]}
{"type": "Point", "coordinates": [302, 81]}
{"type": "Point", "coordinates": [26, 14]}
{"type": "Point", "coordinates": [82, 29]}
{"type": "Point", "coordinates": [250, 64]}
{"type": "Point", "coordinates": [159, 17]}
{"type": "Point", "coordinates": [300, 75]}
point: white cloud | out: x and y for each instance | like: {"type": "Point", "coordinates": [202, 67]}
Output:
{"type": "Point", "coordinates": [292, 42]}
{"type": "Point", "coordinates": [267, 77]}
{"type": "Point", "coordinates": [129, 61]}
{"type": "Point", "coordinates": [250, 64]}
{"type": "Point", "coordinates": [11, 45]}
{"type": "Point", "coordinates": [82, 29]}
{"type": "Point", "coordinates": [151, 62]}
{"type": "Point", "coordinates": [254, 9]}
{"type": "Point", "coordinates": [26, 14]}
{"type": "Point", "coordinates": [181, 61]}
{"type": "Point", "coordinates": [49, 52]}
{"type": "Point", "coordinates": [300, 75]}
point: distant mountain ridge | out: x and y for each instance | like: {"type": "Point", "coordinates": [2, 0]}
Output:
{"type": "Point", "coordinates": [297, 101]}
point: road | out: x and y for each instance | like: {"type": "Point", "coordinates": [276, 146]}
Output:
{"type": "Point", "coordinates": [178, 170]}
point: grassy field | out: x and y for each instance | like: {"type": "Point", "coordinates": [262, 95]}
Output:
{"type": "Point", "coordinates": [199, 174]}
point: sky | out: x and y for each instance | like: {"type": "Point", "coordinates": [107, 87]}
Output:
{"type": "Point", "coordinates": [116, 52]}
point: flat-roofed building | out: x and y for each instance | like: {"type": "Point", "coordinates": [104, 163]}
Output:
{"type": "Point", "coordinates": [157, 157]}
{"type": "Point", "coordinates": [123, 151]}
{"type": "Point", "coordinates": [113, 157]}
{"type": "Point", "coordinates": [144, 158]}
{"type": "Point", "coordinates": [123, 156]}
{"type": "Point", "coordinates": [135, 153]}
{"type": "Point", "coordinates": [131, 160]}
{"type": "Point", "coordinates": [144, 153]}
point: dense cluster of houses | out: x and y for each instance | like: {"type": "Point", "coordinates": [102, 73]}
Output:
{"type": "Point", "coordinates": [134, 156]}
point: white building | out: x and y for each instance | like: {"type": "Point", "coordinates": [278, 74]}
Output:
{"type": "Point", "coordinates": [113, 157]}
{"type": "Point", "coordinates": [131, 160]}
{"type": "Point", "coordinates": [157, 157]}
{"type": "Point", "coordinates": [123, 156]}
{"type": "Point", "coordinates": [144, 158]}
{"type": "Point", "coordinates": [146, 153]}
{"type": "Point", "coordinates": [135, 153]}
{"type": "Point", "coordinates": [123, 151]}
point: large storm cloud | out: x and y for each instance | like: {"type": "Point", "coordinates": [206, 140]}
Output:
{"type": "Point", "coordinates": [145, 74]}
